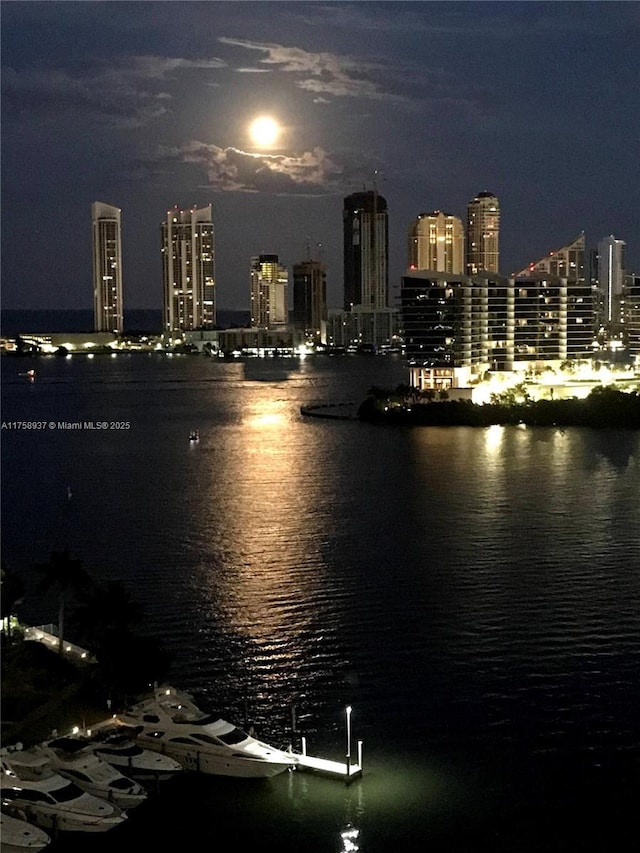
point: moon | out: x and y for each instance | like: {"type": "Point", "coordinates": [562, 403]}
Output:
{"type": "Point", "coordinates": [264, 131]}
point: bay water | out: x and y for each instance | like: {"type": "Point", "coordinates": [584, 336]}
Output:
{"type": "Point", "coordinates": [472, 594]}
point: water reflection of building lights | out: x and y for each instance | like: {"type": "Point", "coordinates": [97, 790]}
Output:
{"type": "Point", "coordinates": [268, 414]}
{"type": "Point", "coordinates": [267, 420]}
{"type": "Point", "coordinates": [349, 839]}
{"type": "Point", "coordinates": [493, 437]}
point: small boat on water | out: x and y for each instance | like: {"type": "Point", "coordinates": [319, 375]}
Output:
{"type": "Point", "coordinates": [30, 789]}
{"type": "Point", "coordinates": [169, 721]}
{"type": "Point", "coordinates": [194, 436]}
{"type": "Point", "coordinates": [73, 757]}
{"type": "Point", "coordinates": [115, 745]}
{"type": "Point", "coordinates": [17, 835]}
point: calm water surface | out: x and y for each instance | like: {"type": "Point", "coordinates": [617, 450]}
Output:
{"type": "Point", "coordinates": [473, 593]}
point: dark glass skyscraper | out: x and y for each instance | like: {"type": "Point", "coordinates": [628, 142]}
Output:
{"type": "Point", "coordinates": [366, 251]}
{"type": "Point", "coordinates": [310, 298]}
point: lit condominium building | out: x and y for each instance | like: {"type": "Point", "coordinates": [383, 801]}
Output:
{"type": "Point", "coordinates": [107, 268]}
{"type": "Point", "coordinates": [457, 327]}
{"type": "Point", "coordinates": [566, 262]}
{"type": "Point", "coordinates": [483, 234]}
{"type": "Point", "coordinates": [436, 242]}
{"type": "Point", "coordinates": [631, 315]}
{"type": "Point", "coordinates": [366, 250]}
{"type": "Point", "coordinates": [188, 270]}
{"type": "Point", "coordinates": [310, 299]}
{"type": "Point", "coordinates": [269, 292]}
{"type": "Point", "coordinates": [611, 275]}
{"type": "Point", "coordinates": [553, 319]}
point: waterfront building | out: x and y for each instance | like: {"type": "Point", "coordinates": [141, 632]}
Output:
{"type": "Point", "coordinates": [552, 320]}
{"type": "Point", "coordinates": [445, 319]}
{"type": "Point", "coordinates": [70, 342]}
{"type": "Point", "coordinates": [436, 242]}
{"type": "Point", "coordinates": [310, 299]}
{"type": "Point", "coordinates": [366, 251]}
{"type": "Point", "coordinates": [284, 340]}
{"type": "Point", "coordinates": [483, 234]}
{"type": "Point", "coordinates": [361, 328]}
{"type": "Point", "coordinates": [611, 273]}
{"type": "Point", "coordinates": [108, 314]}
{"type": "Point", "coordinates": [565, 262]}
{"type": "Point", "coordinates": [269, 292]}
{"type": "Point", "coordinates": [188, 271]}
{"type": "Point", "coordinates": [631, 315]}
{"type": "Point", "coordinates": [458, 327]}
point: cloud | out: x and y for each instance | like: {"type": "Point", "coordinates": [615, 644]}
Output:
{"type": "Point", "coordinates": [321, 72]}
{"type": "Point", "coordinates": [231, 170]}
{"type": "Point", "coordinates": [128, 93]}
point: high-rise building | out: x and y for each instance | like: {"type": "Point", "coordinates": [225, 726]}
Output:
{"type": "Point", "coordinates": [107, 268]}
{"type": "Point", "coordinates": [436, 242]}
{"type": "Point", "coordinates": [611, 279]}
{"type": "Point", "coordinates": [456, 327]}
{"type": "Point", "coordinates": [631, 308]}
{"type": "Point", "coordinates": [566, 262]}
{"type": "Point", "coordinates": [188, 270]}
{"type": "Point", "coordinates": [310, 298]}
{"type": "Point", "coordinates": [483, 234]}
{"type": "Point", "coordinates": [269, 292]}
{"type": "Point", "coordinates": [553, 318]}
{"type": "Point", "coordinates": [366, 250]}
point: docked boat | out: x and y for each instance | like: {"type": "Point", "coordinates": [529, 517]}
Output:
{"type": "Point", "coordinates": [17, 835]}
{"type": "Point", "coordinates": [30, 789]}
{"type": "Point", "coordinates": [74, 758]}
{"type": "Point", "coordinates": [115, 745]}
{"type": "Point", "coordinates": [170, 722]}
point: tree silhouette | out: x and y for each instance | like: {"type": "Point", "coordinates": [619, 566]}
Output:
{"type": "Point", "coordinates": [12, 590]}
{"type": "Point", "coordinates": [68, 577]}
{"type": "Point", "coordinates": [106, 618]}
{"type": "Point", "coordinates": [105, 612]}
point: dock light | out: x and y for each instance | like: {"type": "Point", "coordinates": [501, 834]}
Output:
{"type": "Point", "coordinates": [75, 730]}
{"type": "Point", "coordinates": [348, 715]}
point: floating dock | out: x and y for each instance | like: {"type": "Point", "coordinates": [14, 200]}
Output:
{"type": "Point", "coordinates": [346, 770]}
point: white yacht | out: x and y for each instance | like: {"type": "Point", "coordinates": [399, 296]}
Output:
{"type": "Point", "coordinates": [73, 758]}
{"type": "Point", "coordinates": [169, 721]}
{"type": "Point", "coordinates": [17, 835]}
{"type": "Point", "coordinates": [30, 789]}
{"type": "Point", "coordinates": [115, 745]}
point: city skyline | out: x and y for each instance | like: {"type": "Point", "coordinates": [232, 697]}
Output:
{"type": "Point", "coordinates": [138, 113]}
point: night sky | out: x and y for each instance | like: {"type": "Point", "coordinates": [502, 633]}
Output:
{"type": "Point", "coordinates": [147, 105]}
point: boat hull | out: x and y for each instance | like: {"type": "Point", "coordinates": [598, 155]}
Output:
{"type": "Point", "coordinates": [201, 761]}
{"type": "Point", "coordinates": [19, 836]}
{"type": "Point", "coordinates": [61, 821]}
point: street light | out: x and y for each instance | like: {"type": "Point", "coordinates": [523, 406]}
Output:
{"type": "Point", "coordinates": [348, 714]}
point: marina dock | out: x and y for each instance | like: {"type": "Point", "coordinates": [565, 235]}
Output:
{"type": "Point", "coordinates": [346, 770]}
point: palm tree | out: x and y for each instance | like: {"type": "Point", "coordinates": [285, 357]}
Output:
{"type": "Point", "coordinates": [68, 576]}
